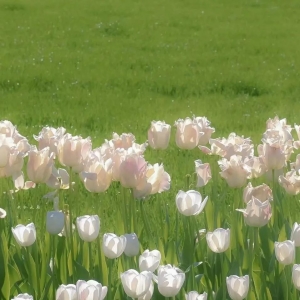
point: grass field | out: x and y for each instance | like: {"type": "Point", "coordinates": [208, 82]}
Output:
{"type": "Point", "coordinates": [98, 67]}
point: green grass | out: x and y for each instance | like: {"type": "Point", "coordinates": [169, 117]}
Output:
{"type": "Point", "coordinates": [97, 67]}
{"type": "Point", "coordinates": [102, 66]}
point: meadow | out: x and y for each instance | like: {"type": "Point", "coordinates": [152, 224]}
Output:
{"type": "Point", "coordinates": [98, 67]}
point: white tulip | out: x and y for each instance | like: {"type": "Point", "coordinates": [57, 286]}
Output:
{"type": "Point", "coordinates": [149, 293]}
{"type": "Point", "coordinates": [24, 235]}
{"type": "Point", "coordinates": [113, 246]}
{"type": "Point", "coordinates": [66, 292]}
{"type": "Point", "coordinates": [296, 276]}
{"type": "Point", "coordinates": [90, 290]}
{"type": "Point", "coordinates": [159, 135]}
{"type": "Point", "coordinates": [169, 280]}
{"type": "Point", "coordinates": [237, 287]}
{"type": "Point", "coordinates": [295, 235]}
{"type": "Point", "coordinates": [136, 284]}
{"type": "Point", "coordinates": [132, 247]}
{"type": "Point", "coordinates": [88, 227]}
{"type": "Point", "coordinates": [149, 260]}
{"type": "Point", "coordinates": [23, 297]}
{"type": "Point", "coordinates": [190, 203]}
{"type": "Point", "coordinates": [218, 240]}
{"type": "Point", "coordinates": [285, 252]}
{"type": "Point", "coordinates": [2, 213]}
{"type": "Point", "coordinates": [195, 296]}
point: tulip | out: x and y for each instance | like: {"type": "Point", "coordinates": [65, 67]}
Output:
{"type": "Point", "coordinates": [257, 213]}
{"type": "Point", "coordinates": [237, 287]}
{"type": "Point", "coordinates": [113, 246]}
{"type": "Point", "coordinates": [257, 166]}
{"type": "Point", "coordinates": [218, 240]}
{"type": "Point", "coordinates": [88, 227]}
{"type": "Point", "coordinates": [23, 297]}
{"type": "Point", "coordinates": [233, 145]}
{"type": "Point", "coordinates": [290, 182]}
{"type": "Point", "coordinates": [285, 252]}
{"type": "Point", "coordinates": [55, 222]}
{"type": "Point", "coordinates": [169, 280]}
{"type": "Point", "coordinates": [132, 170]}
{"type": "Point", "coordinates": [149, 260]}
{"type": "Point", "coordinates": [274, 154]}
{"type": "Point", "coordinates": [203, 173]}
{"type": "Point", "coordinates": [125, 140]}
{"type": "Point", "coordinates": [132, 247]}
{"type": "Point", "coordinates": [205, 131]}
{"type": "Point", "coordinates": [59, 179]}
{"type": "Point", "coordinates": [187, 134]}
{"type": "Point", "coordinates": [283, 130]}
{"type": "Point", "coordinates": [90, 290]}
{"type": "Point", "coordinates": [159, 135]}
{"type": "Point", "coordinates": [190, 203]}
{"type": "Point", "coordinates": [158, 178]}
{"type": "Point", "coordinates": [234, 171]}
{"type": "Point", "coordinates": [149, 293]}
{"type": "Point", "coordinates": [136, 284]}
{"type": "Point", "coordinates": [72, 151]}
{"type": "Point", "coordinates": [97, 175]}
{"type": "Point", "coordinates": [2, 213]}
{"type": "Point", "coordinates": [261, 192]}
{"type": "Point", "coordinates": [195, 296]}
{"type": "Point", "coordinates": [295, 235]}
{"type": "Point", "coordinates": [49, 137]}
{"type": "Point", "coordinates": [66, 292]}
{"type": "Point", "coordinates": [24, 235]}
{"type": "Point", "coordinates": [40, 163]}
{"type": "Point", "coordinates": [296, 276]}
{"type": "Point", "coordinates": [296, 165]}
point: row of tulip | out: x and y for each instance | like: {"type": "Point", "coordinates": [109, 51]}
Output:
{"type": "Point", "coordinates": [121, 159]}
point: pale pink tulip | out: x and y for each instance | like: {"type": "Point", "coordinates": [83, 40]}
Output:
{"type": "Point", "coordinates": [203, 172]}
{"type": "Point", "coordinates": [125, 140]}
{"type": "Point", "coordinates": [204, 127]}
{"type": "Point", "coordinates": [159, 135]}
{"type": "Point", "coordinates": [262, 193]}
{"type": "Point", "coordinates": [290, 182]}
{"type": "Point", "coordinates": [40, 163]}
{"type": "Point", "coordinates": [73, 151]}
{"type": "Point", "coordinates": [257, 213]}
{"type": "Point", "coordinates": [234, 171]}
{"type": "Point", "coordinates": [257, 166]}
{"type": "Point", "coordinates": [187, 134]}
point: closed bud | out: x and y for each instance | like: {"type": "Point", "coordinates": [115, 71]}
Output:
{"type": "Point", "coordinates": [55, 222]}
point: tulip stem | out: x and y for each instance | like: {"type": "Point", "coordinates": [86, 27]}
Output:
{"type": "Point", "coordinates": [52, 241]}
{"type": "Point", "coordinates": [223, 275]}
{"type": "Point", "coordinates": [90, 260]}
{"type": "Point", "coordinates": [110, 271]}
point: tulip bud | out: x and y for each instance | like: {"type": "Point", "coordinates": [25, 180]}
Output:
{"type": "Point", "coordinates": [55, 222]}
{"type": "Point", "coordinates": [149, 260]}
{"type": "Point", "coordinates": [295, 235]}
{"type": "Point", "coordinates": [73, 150]}
{"type": "Point", "coordinates": [261, 192]}
{"type": "Point", "coordinates": [203, 173]}
{"type": "Point", "coordinates": [24, 235]}
{"type": "Point", "coordinates": [190, 203]}
{"type": "Point", "coordinates": [113, 246]}
{"type": "Point", "coordinates": [2, 213]}
{"type": "Point", "coordinates": [136, 284]}
{"type": "Point", "coordinates": [195, 296]}
{"type": "Point", "coordinates": [91, 290]}
{"type": "Point", "coordinates": [257, 214]}
{"type": "Point", "coordinates": [237, 287]}
{"type": "Point", "coordinates": [88, 227]}
{"type": "Point", "coordinates": [187, 134]}
{"type": "Point", "coordinates": [66, 292]}
{"type": "Point", "coordinates": [132, 247]}
{"type": "Point", "coordinates": [218, 240]}
{"type": "Point", "coordinates": [23, 297]}
{"type": "Point", "coordinates": [285, 252]}
{"type": "Point", "coordinates": [169, 280]}
{"type": "Point", "coordinates": [296, 276]}
{"type": "Point", "coordinates": [159, 135]}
